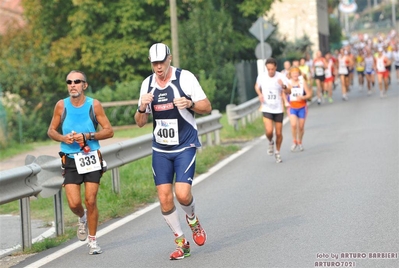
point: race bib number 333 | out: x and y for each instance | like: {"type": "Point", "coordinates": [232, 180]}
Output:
{"type": "Point", "coordinates": [87, 162]}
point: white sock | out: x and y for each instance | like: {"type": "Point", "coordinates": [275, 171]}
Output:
{"type": "Point", "coordinates": [172, 219]}
{"type": "Point", "coordinates": [190, 209]}
{"type": "Point", "coordinates": [83, 218]}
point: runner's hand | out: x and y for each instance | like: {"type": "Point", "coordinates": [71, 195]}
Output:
{"type": "Point", "coordinates": [182, 103]}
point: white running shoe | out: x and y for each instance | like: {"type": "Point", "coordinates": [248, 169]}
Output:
{"type": "Point", "coordinates": [278, 158]}
{"type": "Point", "coordinates": [300, 147]}
{"type": "Point", "coordinates": [270, 150]}
{"type": "Point", "coordinates": [82, 229]}
{"type": "Point", "coordinates": [293, 147]}
{"type": "Point", "coordinates": [94, 247]}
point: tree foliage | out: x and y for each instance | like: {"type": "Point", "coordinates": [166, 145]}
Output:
{"type": "Point", "coordinates": [109, 41]}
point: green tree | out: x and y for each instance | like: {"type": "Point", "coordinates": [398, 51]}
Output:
{"type": "Point", "coordinates": [335, 32]}
{"type": "Point", "coordinates": [109, 41]}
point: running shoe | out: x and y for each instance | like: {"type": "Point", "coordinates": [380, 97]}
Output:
{"type": "Point", "coordinates": [94, 247]}
{"type": "Point", "coordinates": [278, 158]}
{"type": "Point", "coordinates": [182, 250]}
{"type": "Point", "coordinates": [300, 147]}
{"type": "Point", "coordinates": [330, 100]}
{"type": "Point", "coordinates": [270, 151]}
{"type": "Point", "coordinates": [199, 234]}
{"type": "Point", "coordinates": [82, 230]}
{"type": "Point", "coordinates": [293, 147]}
{"type": "Point", "coordinates": [318, 101]}
{"type": "Point", "coordinates": [345, 97]}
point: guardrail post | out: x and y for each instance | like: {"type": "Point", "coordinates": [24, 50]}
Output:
{"type": "Point", "coordinates": [24, 204]}
{"type": "Point", "coordinates": [231, 114]}
{"type": "Point", "coordinates": [116, 186]}
{"type": "Point", "coordinates": [59, 214]}
{"type": "Point", "coordinates": [200, 140]}
{"type": "Point", "coordinates": [217, 137]}
{"type": "Point", "coordinates": [209, 139]}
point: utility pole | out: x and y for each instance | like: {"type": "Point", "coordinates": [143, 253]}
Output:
{"type": "Point", "coordinates": [393, 14]}
{"type": "Point", "coordinates": [369, 10]}
{"type": "Point", "coordinates": [175, 38]}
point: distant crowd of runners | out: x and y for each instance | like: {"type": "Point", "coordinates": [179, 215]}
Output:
{"type": "Point", "coordinates": [373, 58]}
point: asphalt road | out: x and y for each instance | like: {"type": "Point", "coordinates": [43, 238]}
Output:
{"type": "Point", "coordinates": [336, 202]}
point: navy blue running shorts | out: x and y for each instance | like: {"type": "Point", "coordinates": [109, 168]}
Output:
{"type": "Point", "coordinates": [166, 165]}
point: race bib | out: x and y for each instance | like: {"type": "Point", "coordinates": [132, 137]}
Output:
{"type": "Point", "coordinates": [87, 162]}
{"type": "Point", "coordinates": [343, 70]}
{"type": "Point", "coordinates": [380, 66]}
{"type": "Point", "coordinates": [295, 93]}
{"type": "Point", "coordinates": [319, 71]}
{"type": "Point", "coordinates": [166, 131]}
{"type": "Point", "coordinates": [328, 73]}
{"type": "Point", "coordinates": [271, 98]}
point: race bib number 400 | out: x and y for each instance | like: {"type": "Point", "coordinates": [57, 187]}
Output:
{"type": "Point", "coordinates": [166, 131]}
{"type": "Point", "coordinates": [87, 162]}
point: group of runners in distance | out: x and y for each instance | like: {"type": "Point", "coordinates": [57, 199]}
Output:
{"type": "Point", "coordinates": [372, 58]}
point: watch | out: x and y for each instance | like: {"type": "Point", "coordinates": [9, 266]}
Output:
{"type": "Point", "coordinates": [92, 135]}
{"type": "Point", "coordinates": [192, 105]}
{"type": "Point", "coordinates": [140, 111]}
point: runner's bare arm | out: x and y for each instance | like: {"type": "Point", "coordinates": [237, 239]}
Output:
{"type": "Point", "coordinates": [106, 130]}
{"type": "Point", "coordinates": [259, 92]}
{"type": "Point", "coordinates": [52, 131]}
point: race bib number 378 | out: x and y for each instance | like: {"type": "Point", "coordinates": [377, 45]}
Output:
{"type": "Point", "coordinates": [87, 162]}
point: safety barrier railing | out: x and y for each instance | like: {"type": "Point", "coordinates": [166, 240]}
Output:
{"type": "Point", "coordinates": [42, 175]}
{"type": "Point", "coordinates": [243, 113]}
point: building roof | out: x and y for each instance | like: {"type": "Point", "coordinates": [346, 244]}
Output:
{"type": "Point", "coordinates": [11, 14]}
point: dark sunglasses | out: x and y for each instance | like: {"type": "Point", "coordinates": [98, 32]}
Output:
{"type": "Point", "coordinates": [77, 81]}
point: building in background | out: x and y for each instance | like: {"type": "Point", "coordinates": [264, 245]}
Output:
{"type": "Point", "coordinates": [297, 18]}
{"type": "Point", "coordinates": [10, 15]}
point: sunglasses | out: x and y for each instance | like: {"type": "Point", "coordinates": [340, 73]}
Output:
{"type": "Point", "coordinates": [77, 81]}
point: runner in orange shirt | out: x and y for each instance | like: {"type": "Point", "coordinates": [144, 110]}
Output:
{"type": "Point", "coordinates": [300, 93]}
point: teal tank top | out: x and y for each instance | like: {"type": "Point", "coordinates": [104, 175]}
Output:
{"type": "Point", "coordinates": [81, 120]}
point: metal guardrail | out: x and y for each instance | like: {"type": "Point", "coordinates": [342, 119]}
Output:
{"type": "Point", "coordinates": [43, 174]}
{"type": "Point", "coordinates": [247, 111]}
{"type": "Point", "coordinates": [21, 182]}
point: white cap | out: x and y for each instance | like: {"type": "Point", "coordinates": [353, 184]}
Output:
{"type": "Point", "coordinates": [159, 52]}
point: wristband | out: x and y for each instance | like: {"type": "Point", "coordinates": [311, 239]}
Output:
{"type": "Point", "coordinates": [84, 138]}
{"type": "Point", "coordinates": [92, 135]}
{"type": "Point", "coordinates": [140, 111]}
